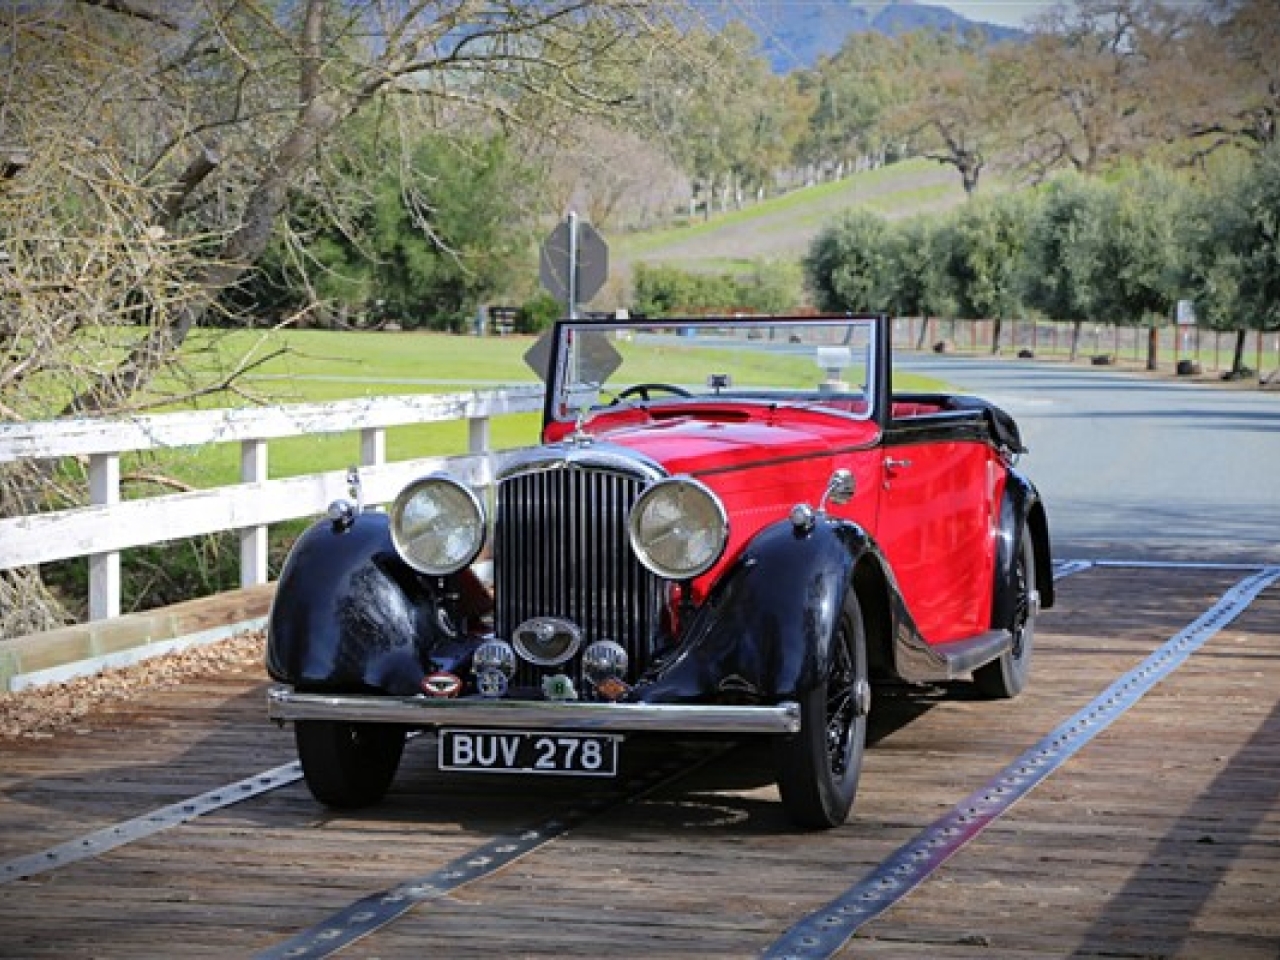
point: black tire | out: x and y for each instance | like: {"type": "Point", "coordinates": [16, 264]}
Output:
{"type": "Point", "coordinates": [818, 768]}
{"type": "Point", "coordinates": [1006, 676]}
{"type": "Point", "coordinates": [348, 765]}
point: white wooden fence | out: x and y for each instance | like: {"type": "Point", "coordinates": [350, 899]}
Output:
{"type": "Point", "coordinates": [109, 525]}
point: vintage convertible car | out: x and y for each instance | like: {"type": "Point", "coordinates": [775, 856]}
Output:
{"type": "Point", "coordinates": [730, 527]}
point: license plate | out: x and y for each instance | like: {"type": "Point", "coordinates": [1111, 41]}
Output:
{"type": "Point", "coordinates": [508, 751]}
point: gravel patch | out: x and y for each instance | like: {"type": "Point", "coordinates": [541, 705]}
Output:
{"type": "Point", "coordinates": [71, 706]}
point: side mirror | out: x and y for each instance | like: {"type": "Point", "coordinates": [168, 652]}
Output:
{"type": "Point", "coordinates": [840, 488]}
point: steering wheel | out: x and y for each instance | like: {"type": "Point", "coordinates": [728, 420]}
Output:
{"type": "Point", "coordinates": [643, 390]}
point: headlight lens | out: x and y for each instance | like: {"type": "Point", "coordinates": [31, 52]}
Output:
{"type": "Point", "coordinates": [678, 528]}
{"type": "Point", "coordinates": [437, 525]}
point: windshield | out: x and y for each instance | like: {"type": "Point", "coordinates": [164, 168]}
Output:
{"type": "Point", "coordinates": [820, 360]}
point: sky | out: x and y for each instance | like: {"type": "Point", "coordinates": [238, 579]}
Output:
{"type": "Point", "coordinates": [1011, 13]}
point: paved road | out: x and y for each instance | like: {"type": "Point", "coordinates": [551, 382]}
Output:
{"type": "Point", "coordinates": [1138, 468]}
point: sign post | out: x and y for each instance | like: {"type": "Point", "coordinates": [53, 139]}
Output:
{"type": "Point", "coordinates": [574, 263]}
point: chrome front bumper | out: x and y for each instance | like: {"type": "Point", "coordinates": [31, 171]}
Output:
{"type": "Point", "coordinates": [284, 703]}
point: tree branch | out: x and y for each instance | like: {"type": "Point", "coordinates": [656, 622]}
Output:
{"type": "Point", "coordinates": [136, 9]}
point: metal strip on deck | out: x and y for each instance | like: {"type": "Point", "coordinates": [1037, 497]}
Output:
{"type": "Point", "coordinates": [373, 912]}
{"type": "Point", "coordinates": [823, 933]}
{"type": "Point", "coordinates": [127, 831]}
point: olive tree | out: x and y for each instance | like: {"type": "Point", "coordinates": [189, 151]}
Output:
{"type": "Point", "coordinates": [847, 265]}
{"type": "Point", "coordinates": [1140, 265]}
{"type": "Point", "coordinates": [1234, 254]}
{"type": "Point", "coordinates": [1062, 257]}
{"type": "Point", "coordinates": [917, 276]}
{"type": "Point", "coordinates": [986, 239]}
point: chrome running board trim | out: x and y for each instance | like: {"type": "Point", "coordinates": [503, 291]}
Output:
{"type": "Point", "coordinates": [920, 662]}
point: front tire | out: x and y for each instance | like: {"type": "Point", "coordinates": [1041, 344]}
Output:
{"type": "Point", "coordinates": [818, 768]}
{"type": "Point", "coordinates": [348, 765]}
{"type": "Point", "coordinates": [1006, 676]}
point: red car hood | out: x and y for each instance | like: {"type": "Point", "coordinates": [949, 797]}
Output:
{"type": "Point", "coordinates": [690, 444]}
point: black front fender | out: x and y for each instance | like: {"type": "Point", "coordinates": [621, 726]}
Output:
{"type": "Point", "coordinates": [348, 614]}
{"type": "Point", "coordinates": [765, 631]}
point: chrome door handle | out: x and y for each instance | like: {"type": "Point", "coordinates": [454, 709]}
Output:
{"type": "Point", "coordinates": [892, 464]}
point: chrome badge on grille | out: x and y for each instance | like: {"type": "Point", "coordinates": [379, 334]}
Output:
{"type": "Point", "coordinates": [547, 641]}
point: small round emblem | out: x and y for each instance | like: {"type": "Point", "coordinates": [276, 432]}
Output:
{"type": "Point", "coordinates": [491, 682]}
{"type": "Point", "coordinates": [441, 684]}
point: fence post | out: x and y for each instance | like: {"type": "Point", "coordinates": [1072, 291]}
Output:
{"type": "Point", "coordinates": [253, 540]}
{"type": "Point", "coordinates": [104, 568]}
{"type": "Point", "coordinates": [478, 443]}
{"type": "Point", "coordinates": [477, 434]}
{"type": "Point", "coordinates": [373, 446]}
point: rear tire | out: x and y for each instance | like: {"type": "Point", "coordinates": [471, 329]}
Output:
{"type": "Point", "coordinates": [1006, 676]}
{"type": "Point", "coordinates": [348, 765]}
{"type": "Point", "coordinates": [818, 768]}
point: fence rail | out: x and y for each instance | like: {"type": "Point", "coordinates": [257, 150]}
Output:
{"type": "Point", "coordinates": [1211, 349]}
{"type": "Point", "coordinates": [109, 525]}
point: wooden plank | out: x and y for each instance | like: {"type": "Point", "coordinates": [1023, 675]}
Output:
{"type": "Point", "coordinates": [1107, 857]}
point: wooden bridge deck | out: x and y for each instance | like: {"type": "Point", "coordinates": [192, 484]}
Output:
{"type": "Point", "coordinates": [1160, 838]}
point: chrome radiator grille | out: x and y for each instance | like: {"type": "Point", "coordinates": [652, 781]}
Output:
{"type": "Point", "coordinates": [561, 550]}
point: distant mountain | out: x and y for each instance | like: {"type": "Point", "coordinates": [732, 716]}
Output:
{"type": "Point", "coordinates": [795, 33]}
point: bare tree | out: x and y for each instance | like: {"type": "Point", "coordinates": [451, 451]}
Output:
{"type": "Point", "coordinates": [615, 177]}
{"type": "Point", "coordinates": [954, 114]}
{"type": "Point", "coordinates": [149, 150]}
{"type": "Point", "coordinates": [1227, 74]}
{"type": "Point", "coordinates": [1076, 91]}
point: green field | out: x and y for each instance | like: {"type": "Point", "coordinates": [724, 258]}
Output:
{"type": "Point", "coordinates": [781, 228]}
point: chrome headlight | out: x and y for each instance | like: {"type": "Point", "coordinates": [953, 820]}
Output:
{"type": "Point", "coordinates": [678, 528]}
{"type": "Point", "coordinates": [437, 525]}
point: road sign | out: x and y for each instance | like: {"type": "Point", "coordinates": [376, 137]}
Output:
{"type": "Point", "coordinates": [595, 361]}
{"type": "Point", "coordinates": [574, 240]}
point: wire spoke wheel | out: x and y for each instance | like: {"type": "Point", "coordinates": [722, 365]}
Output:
{"type": "Point", "coordinates": [818, 767]}
{"type": "Point", "coordinates": [1007, 675]}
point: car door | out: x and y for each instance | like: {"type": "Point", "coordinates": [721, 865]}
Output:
{"type": "Point", "coordinates": [934, 523]}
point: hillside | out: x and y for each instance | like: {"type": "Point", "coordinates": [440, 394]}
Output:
{"type": "Point", "coordinates": [795, 35]}
{"type": "Point", "coordinates": [781, 229]}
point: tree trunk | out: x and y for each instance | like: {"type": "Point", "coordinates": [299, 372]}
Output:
{"type": "Point", "coordinates": [1237, 359]}
{"type": "Point", "coordinates": [1076, 327]}
{"type": "Point", "coordinates": [996, 331]}
{"type": "Point", "coordinates": [924, 332]}
{"type": "Point", "coordinates": [1153, 347]}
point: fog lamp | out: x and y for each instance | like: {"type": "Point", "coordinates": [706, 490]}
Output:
{"type": "Point", "coordinates": [604, 659]}
{"type": "Point", "coordinates": [547, 641]}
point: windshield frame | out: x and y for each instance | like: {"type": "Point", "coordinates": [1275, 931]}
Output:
{"type": "Point", "coordinates": [558, 409]}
